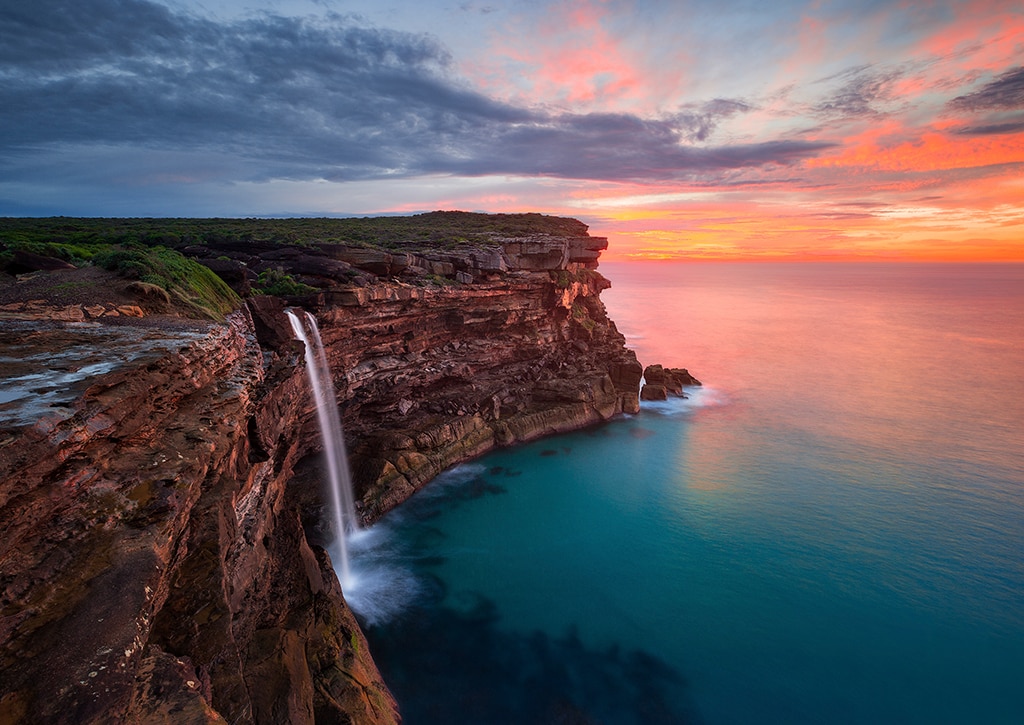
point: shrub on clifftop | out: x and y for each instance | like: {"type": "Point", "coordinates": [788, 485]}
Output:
{"type": "Point", "coordinates": [183, 279]}
{"type": "Point", "coordinates": [278, 282]}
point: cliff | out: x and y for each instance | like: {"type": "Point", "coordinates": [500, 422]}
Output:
{"type": "Point", "coordinates": [430, 376]}
{"type": "Point", "coordinates": [154, 566]}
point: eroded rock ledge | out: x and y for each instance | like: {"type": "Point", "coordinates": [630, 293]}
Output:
{"type": "Point", "coordinates": [430, 377]}
{"type": "Point", "coordinates": [154, 567]}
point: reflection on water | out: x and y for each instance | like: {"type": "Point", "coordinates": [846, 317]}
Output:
{"type": "Point", "coordinates": [830, 531]}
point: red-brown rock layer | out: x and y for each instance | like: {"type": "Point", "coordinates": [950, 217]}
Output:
{"type": "Point", "coordinates": [430, 377]}
{"type": "Point", "coordinates": [154, 567]}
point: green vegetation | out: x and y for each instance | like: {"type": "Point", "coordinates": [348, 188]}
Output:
{"type": "Point", "coordinates": [278, 282]}
{"type": "Point", "coordinates": [76, 253]}
{"type": "Point", "coordinates": [159, 252]}
{"type": "Point", "coordinates": [71, 286]}
{"type": "Point", "coordinates": [438, 280]}
{"type": "Point", "coordinates": [184, 279]}
{"type": "Point", "coordinates": [449, 230]}
{"type": "Point", "coordinates": [563, 278]}
{"type": "Point", "coordinates": [581, 316]}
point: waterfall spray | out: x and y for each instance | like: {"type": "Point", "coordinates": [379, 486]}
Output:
{"type": "Point", "coordinates": [343, 503]}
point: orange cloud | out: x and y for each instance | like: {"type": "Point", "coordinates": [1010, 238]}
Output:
{"type": "Point", "coordinates": [907, 175]}
{"type": "Point", "coordinates": [983, 220]}
{"type": "Point", "coordinates": [889, 147]}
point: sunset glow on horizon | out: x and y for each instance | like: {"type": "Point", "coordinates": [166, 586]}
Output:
{"type": "Point", "coordinates": [837, 130]}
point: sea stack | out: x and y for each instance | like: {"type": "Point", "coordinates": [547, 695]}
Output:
{"type": "Point", "coordinates": [660, 382]}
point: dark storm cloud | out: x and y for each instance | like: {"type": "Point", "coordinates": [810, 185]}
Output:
{"type": "Point", "coordinates": [304, 98]}
{"type": "Point", "coordinates": [1004, 93]}
{"type": "Point", "coordinates": [620, 147]}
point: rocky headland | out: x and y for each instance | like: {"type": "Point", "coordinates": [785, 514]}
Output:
{"type": "Point", "coordinates": [163, 558]}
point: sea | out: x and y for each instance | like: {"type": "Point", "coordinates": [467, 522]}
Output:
{"type": "Point", "coordinates": [829, 530]}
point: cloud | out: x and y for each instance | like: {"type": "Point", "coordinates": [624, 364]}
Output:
{"type": "Point", "coordinates": [863, 89]}
{"type": "Point", "coordinates": [308, 98]}
{"type": "Point", "coordinates": [995, 103]}
{"type": "Point", "coordinates": [472, 7]}
{"type": "Point", "coordinates": [621, 147]}
{"type": "Point", "coordinates": [992, 129]}
{"type": "Point", "coordinates": [700, 121]}
{"type": "Point", "coordinates": [1005, 92]}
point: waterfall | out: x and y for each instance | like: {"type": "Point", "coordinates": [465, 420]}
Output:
{"type": "Point", "coordinates": [342, 500]}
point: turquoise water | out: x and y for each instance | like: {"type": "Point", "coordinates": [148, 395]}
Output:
{"type": "Point", "coordinates": [831, 530]}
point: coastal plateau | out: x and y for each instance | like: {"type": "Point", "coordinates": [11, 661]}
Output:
{"type": "Point", "coordinates": [163, 554]}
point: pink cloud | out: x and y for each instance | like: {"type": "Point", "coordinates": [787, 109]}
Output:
{"type": "Point", "coordinates": [568, 59]}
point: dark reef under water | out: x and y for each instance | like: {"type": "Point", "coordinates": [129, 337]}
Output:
{"type": "Point", "coordinates": [448, 659]}
{"type": "Point", "coordinates": [829, 531]}
{"type": "Point", "coordinates": [448, 665]}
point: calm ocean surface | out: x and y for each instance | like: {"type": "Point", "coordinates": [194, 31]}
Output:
{"type": "Point", "coordinates": [830, 531]}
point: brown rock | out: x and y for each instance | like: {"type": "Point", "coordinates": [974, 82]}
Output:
{"type": "Point", "coordinates": [153, 537]}
{"type": "Point", "coordinates": [653, 392]}
{"type": "Point", "coordinates": [70, 313]}
{"type": "Point", "coordinates": [683, 377]}
{"type": "Point", "coordinates": [375, 261]}
{"type": "Point", "coordinates": [154, 567]}
{"type": "Point", "coordinates": [272, 327]}
{"type": "Point", "coordinates": [672, 379]}
{"type": "Point", "coordinates": [626, 374]}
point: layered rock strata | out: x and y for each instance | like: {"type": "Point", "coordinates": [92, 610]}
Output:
{"type": "Point", "coordinates": [428, 378]}
{"type": "Point", "coordinates": [154, 566]}
{"type": "Point", "coordinates": [428, 375]}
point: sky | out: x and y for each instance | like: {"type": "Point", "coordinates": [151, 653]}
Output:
{"type": "Point", "coordinates": [732, 129]}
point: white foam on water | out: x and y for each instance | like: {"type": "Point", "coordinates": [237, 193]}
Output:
{"type": "Point", "coordinates": [697, 397]}
{"type": "Point", "coordinates": [380, 587]}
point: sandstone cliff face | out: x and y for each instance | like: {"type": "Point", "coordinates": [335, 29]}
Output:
{"type": "Point", "coordinates": [154, 566]}
{"type": "Point", "coordinates": [430, 377]}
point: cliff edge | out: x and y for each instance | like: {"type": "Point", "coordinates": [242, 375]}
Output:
{"type": "Point", "coordinates": [154, 565]}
